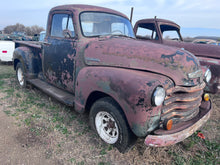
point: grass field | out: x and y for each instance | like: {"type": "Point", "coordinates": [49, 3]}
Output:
{"type": "Point", "coordinates": [64, 136]}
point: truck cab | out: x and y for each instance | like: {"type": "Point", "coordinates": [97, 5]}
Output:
{"type": "Point", "coordinates": [91, 60]}
{"type": "Point", "coordinates": [168, 33]}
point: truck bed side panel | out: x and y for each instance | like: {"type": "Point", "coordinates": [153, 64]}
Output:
{"type": "Point", "coordinates": [30, 57]}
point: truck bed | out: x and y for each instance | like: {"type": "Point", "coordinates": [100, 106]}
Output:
{"type": "Point", "coordinates": [34, 44]}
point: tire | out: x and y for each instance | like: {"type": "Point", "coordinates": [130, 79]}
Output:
{"type": "Point", "coordinates": [109, 122]}
{"type": "Point", "coordinates": [20, 75]}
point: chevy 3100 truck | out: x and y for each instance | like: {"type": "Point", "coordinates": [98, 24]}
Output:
{"type": "Point", "coordinates": [91, 60]}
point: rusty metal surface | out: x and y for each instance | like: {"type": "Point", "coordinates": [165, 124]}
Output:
{"type": "Point", "coordinates": [209, 55]}
{"type": "Point", "coordinates": [30, 59]}
{"type": "Point", "coordinates": [61, 95]}
{"type": "Point", "coordinates": [76, 10]}
{"type": "Point", "coordinates": [181, 132]}
{"type": "Point", "coordinates": [123, 68]}
{"type": "Point", "coordinates": [132, 90]}
{"type": "Point", "coordinates": [182, 104]}
{"type": "Point", "coordinates": [214, 66]}
{"type": "Point", "coordinates": [200, 50]}
{"type": "Point", "coordinates": [59, 63]}
{"type": "Point", "coordinates": [133, 54]}
{"type": "Point", "coordinates": [32, 44]}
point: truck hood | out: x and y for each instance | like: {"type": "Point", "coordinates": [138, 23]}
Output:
{"type": "Point", "coordinates": [133, 54]}
{"type": "Point", "coordinates": [202, 50]}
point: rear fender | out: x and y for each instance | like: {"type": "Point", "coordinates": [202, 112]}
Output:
{"type": "Point", "coordinates": [30, 59]}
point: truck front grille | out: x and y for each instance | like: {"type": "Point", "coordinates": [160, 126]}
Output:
{"type": "Point", "coordinates": [182, 103]}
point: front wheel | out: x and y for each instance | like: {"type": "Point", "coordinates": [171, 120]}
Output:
{"type": "Point", "coordinates": [108, 120]}
{"type": "Point", "coordinates": [20, 75]}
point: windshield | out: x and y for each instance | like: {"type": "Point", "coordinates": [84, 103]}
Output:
{"type": "Point", "coordinates": [101, 24]}
{"type": "Point", "coordinates": [170, 32]}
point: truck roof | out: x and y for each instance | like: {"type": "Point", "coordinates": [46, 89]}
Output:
{"type": "Point", "coordinates": [164, 21]}
{"type": "Point", "coordinates": [80, 8]}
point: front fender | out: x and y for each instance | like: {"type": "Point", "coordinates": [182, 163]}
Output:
{"type": "Point", "coordinates": [30, 60]}
{"type": "Point", "coordinates": [130, 88]}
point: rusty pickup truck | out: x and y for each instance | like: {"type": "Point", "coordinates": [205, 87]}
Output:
{"type": "Point", "coordinates": [168, 33]}
{"type": "Point", "coordinates": [91, 60]}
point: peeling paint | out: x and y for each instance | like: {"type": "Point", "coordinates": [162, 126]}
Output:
{"type": "Point", "coordinates": [125, 69]}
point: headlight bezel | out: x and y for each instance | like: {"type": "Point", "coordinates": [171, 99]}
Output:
{"type": "Point", "coordinates": [157, 99]}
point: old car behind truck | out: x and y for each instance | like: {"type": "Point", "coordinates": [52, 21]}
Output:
{"type": "Point", "coordinates": [168, 33]}
{"type": "Point", "coordinates": [91, 60]}
{"type": "Point", "coordinates": [6, 51]}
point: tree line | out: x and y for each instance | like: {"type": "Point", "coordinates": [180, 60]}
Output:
{"type": "Point", "coordinates": [29, 30]}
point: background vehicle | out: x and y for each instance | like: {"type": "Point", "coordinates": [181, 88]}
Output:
{"type": "Point", "coordinates": [6, 51]}
{"type": "Point", "coordinates": [168, 33]}
{"type": "Point", "coordinates": [91, 60]}
{"type": "Point", "coordinates": [36, 37]}
{"type": "Point", "coordinates": [42, 36]}
{"type": "Point", "coordinates": [205, 41]}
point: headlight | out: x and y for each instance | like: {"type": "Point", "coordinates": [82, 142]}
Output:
{"type": "Point", "coordinates": [158, 96]}
{"type": "Point", "coordinates": [208, 76]}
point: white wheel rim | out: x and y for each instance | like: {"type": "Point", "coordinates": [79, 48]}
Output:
{"type": "Point", "coordinates": [106, 127]}
{"type": "Point", "coordinates": [20, 77]}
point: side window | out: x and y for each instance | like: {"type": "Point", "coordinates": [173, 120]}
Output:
{"type": "Point", "coordinates": [147, 31]}
{"type": "Point", "coordinates": [61, 22]}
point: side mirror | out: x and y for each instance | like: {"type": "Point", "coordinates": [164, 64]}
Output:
{"type": "Point", "coordinates": [67, 33]}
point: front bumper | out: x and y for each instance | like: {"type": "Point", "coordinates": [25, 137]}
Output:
{"type": "Point", "coordinates": [177, 136]}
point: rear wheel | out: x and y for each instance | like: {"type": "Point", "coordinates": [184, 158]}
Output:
{"type": "Point", "coordinates": [107, 119]}
{"type": "Point", "coordinates": [20, 75]}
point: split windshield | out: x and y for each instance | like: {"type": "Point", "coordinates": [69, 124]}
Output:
{"type": "Point", "coordinates": [102, 24]}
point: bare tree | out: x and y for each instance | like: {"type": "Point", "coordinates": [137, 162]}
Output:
{"type": "Point", "coordinates": [33, 30]}
{"type": "Point", "coordinates": [17, 27]}
{"type": "Point", "coordinates": [29, 30]}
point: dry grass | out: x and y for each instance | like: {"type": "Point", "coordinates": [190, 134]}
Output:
{"type": "Point", "coordinates": [65, 137]}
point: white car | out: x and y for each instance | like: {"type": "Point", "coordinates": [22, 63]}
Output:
{"type": "Point", "coordinates": [6, 50]}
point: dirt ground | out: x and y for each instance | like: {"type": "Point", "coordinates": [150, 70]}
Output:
{"type": "Point", "coordinates": [35, 129]}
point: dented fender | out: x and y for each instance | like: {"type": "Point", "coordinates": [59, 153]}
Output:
{"type": "Point", "coordinates": [131, 89]}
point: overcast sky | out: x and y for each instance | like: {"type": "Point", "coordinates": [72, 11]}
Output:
{"type": "Point", "coordinates": [187, 13]}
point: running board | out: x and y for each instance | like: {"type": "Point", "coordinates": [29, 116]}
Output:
{"type": "Point", "coordinates": [54, 92]}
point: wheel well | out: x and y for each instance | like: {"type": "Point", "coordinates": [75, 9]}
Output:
{"type": "Point", "coordinates": [16, 61]}
{"type": "Point", "coordinates": [93, 97]}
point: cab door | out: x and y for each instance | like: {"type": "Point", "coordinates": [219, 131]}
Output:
{"type": "Point", "coordinates": [59, 52]}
